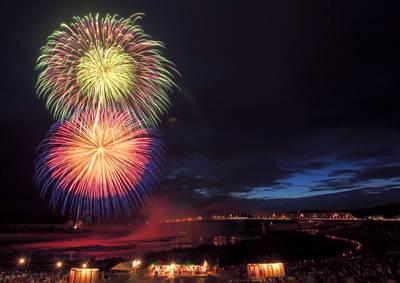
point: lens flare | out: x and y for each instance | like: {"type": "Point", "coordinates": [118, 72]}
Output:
{"type": "Point", "coordinates": [102, 164]}
{"type": "Point", "coordinates": [104, 61]}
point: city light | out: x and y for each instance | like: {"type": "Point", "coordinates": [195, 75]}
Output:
{"type": "Point", "coordinates": [84, 265]}
{"type": "Point", "coordinates": [136, 263]}
{"type": "Point", "coordinates": [241, 215]}
{"type": "Point", "coordinates": [21, 261]}
{"type": "Point", "coordinates": [59, 264]}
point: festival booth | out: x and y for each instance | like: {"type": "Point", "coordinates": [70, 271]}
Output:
{"type": "Point", "coordinates": [126, 267]}
{"type": "Point", "coordinates": [265, 270]}
{"type": "Point", "coordinates": [183, 269]}
{"type": "Point", "coordinates": [83, 275]}
{"type": "Point", "coordinates": [122, 267]}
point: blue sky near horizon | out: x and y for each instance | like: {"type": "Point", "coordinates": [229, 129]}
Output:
{"type": "Point", "coordinates": [313, 169]}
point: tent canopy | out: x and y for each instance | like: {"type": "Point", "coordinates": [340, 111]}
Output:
{"type": "Point", "coordinates": [123, 266]}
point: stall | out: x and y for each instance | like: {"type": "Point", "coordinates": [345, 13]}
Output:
{"type": "Point", "coordinates": [265, 270]}
{"type": "Point", "coordinates": [176, 270]}
{"type": "Point", "coordinates": [83, 275]}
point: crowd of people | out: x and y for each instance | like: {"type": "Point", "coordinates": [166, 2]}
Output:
{"type": "Point", "coordinates": [350, 270]}
{"type": "Point", "coordinates": [353, 270]}
{"type": "Point", "coordinates": [32, 277]}
{"type": "Point", "coordinates": [374, 270]}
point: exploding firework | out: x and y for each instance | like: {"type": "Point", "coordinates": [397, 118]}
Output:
{"type": "Point", "coordinates": [102, 164]}
{"type": "Point", "coordinates": [106, 62]}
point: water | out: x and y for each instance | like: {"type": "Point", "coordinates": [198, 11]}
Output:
{"type": "Point", "coordinates": [101, 244]}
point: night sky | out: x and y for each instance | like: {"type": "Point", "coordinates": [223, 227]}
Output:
{"type": "Point", "coordinates": [277, 99]}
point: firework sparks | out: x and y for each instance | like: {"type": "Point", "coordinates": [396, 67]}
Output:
{"type": "Point", "coordinates": [104, 61]}
{"type": "Point", "coordinates": [101, 163]}
{"type": "Point", "coordinates": [105, 73]}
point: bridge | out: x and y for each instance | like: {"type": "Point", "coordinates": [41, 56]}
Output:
{"type": "Point", "coordinates": [236, 211]}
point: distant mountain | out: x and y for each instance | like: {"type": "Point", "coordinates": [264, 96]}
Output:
{"type": "Point", "coordinates": [350, 200]}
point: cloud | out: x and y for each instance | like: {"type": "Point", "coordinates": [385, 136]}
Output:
{"type": "Point", "coordinates": [365, 154]}
{"type": "Point", "coordinates": [334, 185]}
{"type": "Point", "coordinates": [378, 172]}
{"type": "Point", "coordinates": [222, 166]}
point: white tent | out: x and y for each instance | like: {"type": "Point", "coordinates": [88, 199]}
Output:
{"type": "Point", "coordinates": [123, 266]}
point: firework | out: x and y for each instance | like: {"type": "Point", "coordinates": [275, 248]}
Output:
{"type": "Point", "coordinates": [106, 62]}
{"type": "Point", "coordinates": [102, 164]}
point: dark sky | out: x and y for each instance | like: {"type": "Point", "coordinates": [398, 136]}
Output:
{"type": "Point", "coordinates": [278, 99]}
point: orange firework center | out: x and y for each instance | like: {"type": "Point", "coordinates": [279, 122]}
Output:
{"type": "Point", "coordinates": [98, 155]}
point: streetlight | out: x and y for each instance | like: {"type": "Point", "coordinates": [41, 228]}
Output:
{"type": "Point", "coordinates": [84, 265]}
{"type": "Point", "coordinates": [59, 264]}
{"type": "Point", "coordinates": [21, 261]}
{"type": "Point", "coordinates": [136, 263]}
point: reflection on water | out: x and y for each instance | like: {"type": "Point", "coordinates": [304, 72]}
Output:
{"type": "Point", "coordinates": [102, 247]}
{"type": "Point", "coordinates": [184, 242]}
{"type": "Point", "coordinates": [225, 240]}
{"type": "Point", "coordinates": [103, 242]}
{"type": "Point", "coordinates": [218, 240]}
